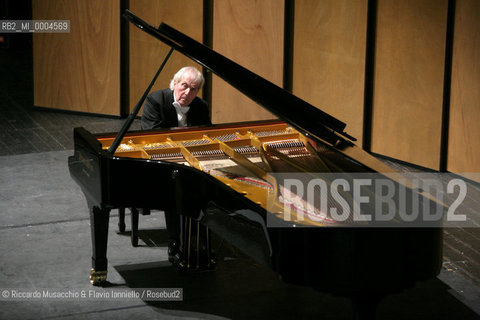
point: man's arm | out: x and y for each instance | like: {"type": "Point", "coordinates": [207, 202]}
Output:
{"type": "Point", "coordinates": [151, 115]}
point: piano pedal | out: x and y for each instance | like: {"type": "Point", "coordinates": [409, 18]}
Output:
{"type": "Point", "coordinates": [197, 255]}
{"type": "Point", "coordinates": [204, 265]}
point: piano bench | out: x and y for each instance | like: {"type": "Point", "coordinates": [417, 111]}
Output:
{"type": "Point", "coordinates": [134, 213]}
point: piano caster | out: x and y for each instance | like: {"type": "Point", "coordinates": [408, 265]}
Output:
{"type": "Point", "coordinates": [98, 277]}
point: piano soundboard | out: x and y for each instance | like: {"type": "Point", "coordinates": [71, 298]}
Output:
{"type": "Point", "coordinates": [241, 157]}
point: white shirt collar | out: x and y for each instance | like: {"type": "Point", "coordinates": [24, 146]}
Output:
{"type": "Point", "coordinates": [181, 112]}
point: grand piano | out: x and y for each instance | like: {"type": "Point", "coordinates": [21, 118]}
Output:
{"type": "Point", "coordinates": [231, 178]}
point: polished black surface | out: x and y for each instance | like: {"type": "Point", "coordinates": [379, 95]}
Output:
{"type": "Point", "coordinates": [364, 264]}
{"type": "Point", "coordinates": [28, 130]}
{"type": "Point", "coordinates": [25, 129]}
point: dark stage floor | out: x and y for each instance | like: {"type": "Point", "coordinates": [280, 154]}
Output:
{"type": "Point", "coordinates": [45, 241]}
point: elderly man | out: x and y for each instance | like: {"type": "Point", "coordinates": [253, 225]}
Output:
{"type": "Point", "coordinates": [177, 106]}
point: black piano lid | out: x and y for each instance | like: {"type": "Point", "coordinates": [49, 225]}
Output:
{"type": "Point", "coordinates": [301, 115]}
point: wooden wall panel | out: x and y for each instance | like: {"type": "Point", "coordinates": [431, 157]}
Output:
{"type": "Point", "coordinates": [80, 70]}
{"type": "Point", "coordinates": [464, 130]}
{"type": "Point", "coordinates": [250, 33]}
{"type": "Point", "coordinates": [409, 72]}
{"type": "Point", "coordinates": [329, 58]}
{"type": "Point", "coordinates": [147, 53]}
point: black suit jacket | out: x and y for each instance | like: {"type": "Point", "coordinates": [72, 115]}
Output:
{"type": "Point", "coordinates": [158, 111]}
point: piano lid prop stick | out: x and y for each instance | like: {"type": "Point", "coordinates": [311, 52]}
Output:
{"type": "Point", "coordinates": [135, 111]}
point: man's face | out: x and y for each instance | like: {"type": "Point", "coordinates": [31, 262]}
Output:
{"type": "Point", "coordinates": [186, 89]}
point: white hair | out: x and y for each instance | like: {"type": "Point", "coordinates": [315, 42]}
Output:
{"type": "Point", "coordinates": [198, 76]}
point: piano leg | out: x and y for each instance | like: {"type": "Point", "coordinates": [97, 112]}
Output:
{"type": "Point", "coordinates": [99, 218]}
{"type": "Point", "coordinates": [134, 216]}
{"type": "Point", "coordinates": [121, 220]}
